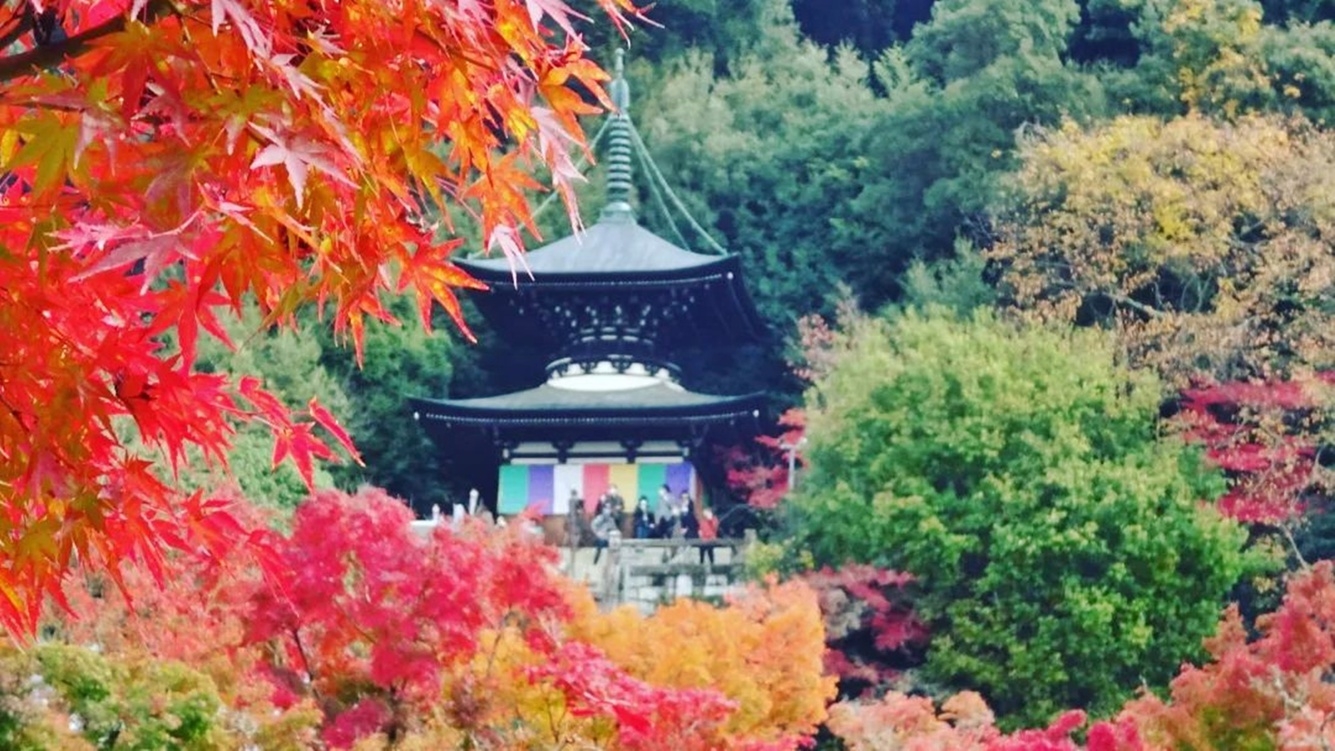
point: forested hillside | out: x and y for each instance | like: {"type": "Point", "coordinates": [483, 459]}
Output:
{"type": "Point", "coordinates": [841, 142]}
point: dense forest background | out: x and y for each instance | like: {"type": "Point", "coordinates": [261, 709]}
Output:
{"type": "Point", "coordinates": [843, 146]}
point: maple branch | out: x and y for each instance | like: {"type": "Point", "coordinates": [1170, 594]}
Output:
{"type": "Point", "coordinates": [306, 663]}
{"type": "Point", "coordinates": [1293, 543]}
{"type": "Point", "coordinates": [551, 722]}
{"type": "Point", "coordinates": [1134, 305]}
{"type": "Point", "coordinates": [45, 56]}
{"type": "Point", "coordinates": [397, 723]}
{"type": "Point", "coordinates": [22, 23]}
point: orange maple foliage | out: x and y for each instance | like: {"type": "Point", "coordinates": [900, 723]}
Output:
{"type": "Point", "coordinates": [764, 652]}
{"type": "Point", "coordinates": [1272, 692]}
{"type": "Point", "coordinates": [163, 160]}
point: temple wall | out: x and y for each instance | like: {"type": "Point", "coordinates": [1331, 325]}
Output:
{"type": "Point", "coordinates": [650, 573]}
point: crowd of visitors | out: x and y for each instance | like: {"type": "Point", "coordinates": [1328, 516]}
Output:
{"type": "Point", "coordinates": [677, 519]}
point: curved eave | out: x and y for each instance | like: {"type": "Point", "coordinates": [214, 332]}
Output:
{"type": "Point", "coordinates": [462, 412]}
{"type": "Point", "coordinates": [503, 277]}
{"type": "Point", "coordinates": [549, 406]}
{"type": "Point", "coordinates": [614, 245]}
{"type": "Point", "coordinates": [658, 425]}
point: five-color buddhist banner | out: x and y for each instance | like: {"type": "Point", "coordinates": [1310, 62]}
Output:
{"type": "Point", "coordinates": [548, 486]}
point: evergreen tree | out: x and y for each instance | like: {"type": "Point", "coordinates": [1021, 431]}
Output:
{"type": "Point", "coordinates": [957, 94]}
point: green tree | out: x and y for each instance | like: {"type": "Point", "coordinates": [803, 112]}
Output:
{"type": "Point", "coordinates": [966, 37]}
{"type": "Point", "coordinates": [1301, 61]}
{"type": "Point", "coordinates": [1202, 56]}
{"type": "Point", "coordinates": [1228, 58]}
{"type": "Point", "coordinates": [113, 702]}
{"type": "Point", "coordinates": [1062, 550]}
{"type": "Point", "coordinates": [957, 92]}
{"type": "Point", "coordinates": [760, 156]}
{"type": "Point", "coordinates": [400, 361]}
{"type": "Point", "coordinates": [289, 364]}
{"type": "Point", "coordinates": [957, 284]}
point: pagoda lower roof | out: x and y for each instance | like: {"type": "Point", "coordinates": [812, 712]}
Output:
{"type": "Point", "coordinates": [658, 404]}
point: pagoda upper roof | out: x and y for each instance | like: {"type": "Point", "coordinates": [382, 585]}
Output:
{"type": "Point", "coordinates": [617, 257]}
{"type": "Point", "coordinates": [616, 286]}
{"type": "Point", "coordinates": [615, 248]}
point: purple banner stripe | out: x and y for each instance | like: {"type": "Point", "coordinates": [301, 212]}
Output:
{"type": "Point", "coordinates": [679, 478]}
{"type": "Point", "coordinates": [541, 484]}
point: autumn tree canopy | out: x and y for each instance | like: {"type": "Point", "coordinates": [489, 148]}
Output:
{"type": "Point", "coordinates": [162, 161]}
{"type": "Point", "coordinates": [1270, 692]}
{"type": "Point", "coordinates": [361, 632]}
{"type": "Point", "coordinates": [1205, 244]}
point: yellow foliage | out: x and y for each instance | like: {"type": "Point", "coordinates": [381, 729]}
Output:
{"type": "Point", "coordinates": [764, 651]}
{"type": "Point", "coordinates": [1207, 245]}
{"type": "Point", "coordinates": [491, 702]}
{"type": "Point", "coordinates": [1214, 46]}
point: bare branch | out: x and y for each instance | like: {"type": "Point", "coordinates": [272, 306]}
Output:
{"type": "Point", "coordinates": [1139, 307]}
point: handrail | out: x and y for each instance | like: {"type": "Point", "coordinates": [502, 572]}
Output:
{"type": "Point", "coordinates": [679, 542]}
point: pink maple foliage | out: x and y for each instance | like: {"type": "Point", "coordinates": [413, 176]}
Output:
{"type": "Point", "coordinates": [1265, 436]}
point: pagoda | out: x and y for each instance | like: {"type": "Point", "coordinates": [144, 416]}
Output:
{"type": "Point", "coordinates": [610, 306]}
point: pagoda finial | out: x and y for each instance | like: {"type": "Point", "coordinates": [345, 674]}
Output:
{"type": "Point", "coordinates": [619, 183]}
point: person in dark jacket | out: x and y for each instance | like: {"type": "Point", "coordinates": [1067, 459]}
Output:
{"type": "Point", "coordinates": [645, 521]}
{"type": "Point", "coordinates": [689, 524]}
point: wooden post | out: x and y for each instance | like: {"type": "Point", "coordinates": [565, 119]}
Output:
{"type": "Point", "coordinates": [612, 578]}
{"type": "Point", "coordinates": [573, 535]}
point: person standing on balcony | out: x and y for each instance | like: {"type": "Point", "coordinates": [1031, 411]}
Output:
{"type": "Point", "coordinates": [644, 520]}
{"type": "Point", "coordinates": [617, 505]}
{"type": "Point", "coordinates": [604, 526]}
{"type": "Point", "coordinates": [478, 509]}
{"type": "Point", "coordinates": [575, 521]}
{"type": "Point", "coordinates": [690, 525]}
{"type": "Point", "coordinates": [708, 533]}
